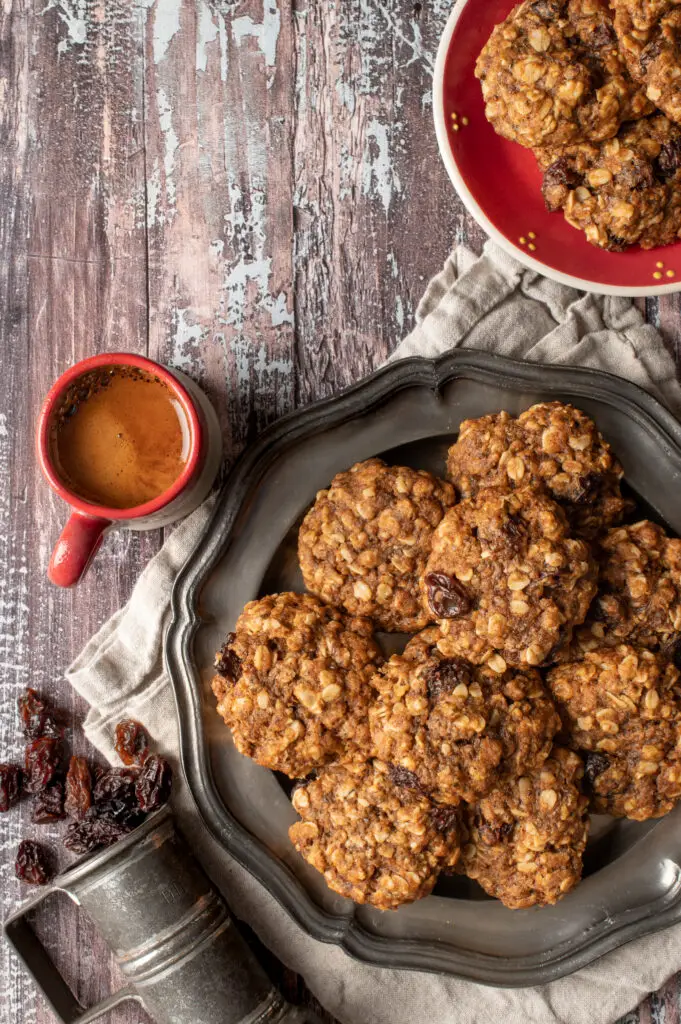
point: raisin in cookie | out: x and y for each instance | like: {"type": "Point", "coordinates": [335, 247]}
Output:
{"type": "Point", "coordinates": [649, 32]}
{"type": "Point", "coordinates": [293, 681]}
{"type": "Point", "coordinates": [552, 74]}
{"type": "Point", "coordinates": [625, 191]}
{"type": "Point", "coordinates": [523, 843]}
{"type": "Point", "coordinates": [505, 579]}
{"type": "Point", "coordinates": [640, 586]}
{"type": "Point", "coordinates": [364, 543]}
{"type": "Point", "coordinates": [622, 708]}
{"type": "Point", "coordinates": [374, 842]}
{"type": "Point", "coordinates": [451, 728]}
{"type": "Point", "coordinates": [550, 445]}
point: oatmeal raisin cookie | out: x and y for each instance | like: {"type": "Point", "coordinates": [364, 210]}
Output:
{"type": "Point", "coordinates": [550, 445]}
{"type": "Point", "coordinates": [552, 74]}
{"type": "Point", "coordinates": [506, 581]}
{"type": "Point", "coordinates": [523, 843]}
{"type": "Point", "coordinates": [622, 708]}
{"type": "Point", "coordinates": [374, 842]}
{"type": "Point", "coordinates": [639, 595]}
{"type": "Point", "coordinates": [649, 33]}
{"type": "Point", "coordinates": [293, 681]}
{"type": "Point", "coordinates": [450, 728]}
{"type": "Point", "coordinates": [364, 542]}
{"type": "Point", "coordinates": [625, 191]}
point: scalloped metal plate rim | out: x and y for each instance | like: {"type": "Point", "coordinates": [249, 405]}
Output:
{"type": "Point", "coordinates": [573, 382]}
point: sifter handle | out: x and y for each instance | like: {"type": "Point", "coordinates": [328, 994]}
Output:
{"type": "Point", "coordinates": [47, 978]}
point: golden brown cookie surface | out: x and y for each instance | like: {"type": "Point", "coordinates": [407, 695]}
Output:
{"type": "Point", "coordinates": [452, 728]}
{"type": "Point", "coordinates": [505, 579]}
{"type": "Point", "coordinates": [364, 543]}
{"type": "Point", "coordinates": [552, 74]}
{"type": "Point", "coordinates": [624, 191]}
{"type": "Point", "coordinates": [523, 843]}
{"type": "Point", "coordinates": [640, 586]}
{"type": "Point", "coordinates": [622, 708]}
{"type": "Point", "coordinates": [374, 842]}
{"type": "Point", "coordinates": [293, 683]}
{"type": "Point", "coordinates": [551, 445]}
{"type": "Point", "coordinates": [649, 32]}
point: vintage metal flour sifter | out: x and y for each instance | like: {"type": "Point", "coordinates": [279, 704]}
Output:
{"type": "Point", "coordinates": [171, 934]}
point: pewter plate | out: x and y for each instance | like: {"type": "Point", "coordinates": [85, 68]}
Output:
{"type": "Point", "coordinates": [409, 413]}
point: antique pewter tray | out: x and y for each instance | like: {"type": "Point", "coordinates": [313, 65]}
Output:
{"type": "Point", "coordinates": [409, 413]}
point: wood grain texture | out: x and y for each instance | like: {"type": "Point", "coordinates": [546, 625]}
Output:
{"type": "Point", "coordinates": [248, 190]}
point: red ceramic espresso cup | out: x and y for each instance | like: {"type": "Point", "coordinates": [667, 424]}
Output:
{"type": "Point", "coordinates": [88, 523]}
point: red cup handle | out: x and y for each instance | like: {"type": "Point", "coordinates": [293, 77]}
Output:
{"type": "Point", "coordinates": [79, 542]}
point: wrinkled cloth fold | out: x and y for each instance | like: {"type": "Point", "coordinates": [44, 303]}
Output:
{"type": "Point", "coordinates": [493, 304]}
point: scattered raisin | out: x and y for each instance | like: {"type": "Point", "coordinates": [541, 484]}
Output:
{"type": "Point", "coordinates": [589, 489]}
{"type": "Point", "coordinates": [131, 742]}
{"type": "Point", "coordinates": [400, 776]}
{"type": "Point", "coordinates": [669, 160]}
{"type": "Point", "coordinates": [635, 174]}
{"type": "Point", "coordinates": [547, 9]}
{"type": "Point", "coordinates": [227, 663]}
{"type": "Point", "coordinates": [43, 757]}
{"type": "Point", "coordinates": [10, 785]}
{"type": "Point", "coordinates": [602, 35]}
{"type": "Point", "coordinates": [445, 818]}
{"type": "Point", "coordinates": [594, 765]}
{"type": "Point", "coordinates": [492, 835]}
{"type": "Point", "coordinates": [36, 717]}
{"type": "Point", "coordinates": [513, 528]}
{"type": "Point", "coordinates": [114, 796]}
{"type": "Point", "coordinates": [559, 178]}
{"type": "Point", "coordinates": [154, 783]}
{"type": "Point", "coordinates": [616, 243]}
{"type": "Point", "coordinates": [649, 53]}
{"type": "Point", "coordinates": [669, 649]}
{"type": "Point", "coordinates": [93, 833]}
{"type": "Point", "coordinates": [446, 596]}
{"type": "Point", "coordinates": [32, 864]}
{"type": "Point", "coordinates": [446, 675]}
{"type": "Point", "coordinates": [49, 803]}
{"type": "Point", "coordinates": [78, 789]}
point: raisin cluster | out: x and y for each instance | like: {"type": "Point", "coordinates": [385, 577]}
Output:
{"type": "Point", "coordinates": [103, 804]}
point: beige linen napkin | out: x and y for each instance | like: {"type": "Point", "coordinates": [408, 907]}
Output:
{"type": "Point", "coordinates": [489, 303]}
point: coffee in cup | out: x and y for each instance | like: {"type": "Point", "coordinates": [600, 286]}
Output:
{"type": "Point", "coordinates": [119, 437]}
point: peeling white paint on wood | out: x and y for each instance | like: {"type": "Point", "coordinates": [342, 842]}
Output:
{"type": "Point", "coordinates": [170, 145]}
{"type": "Point", "coordinates": [186, 338]}
{"type": "Point", "coordinates": [265, 33]}
{"type": "Point", "coordinates": [73, 14]}
{"type": "Point", "coordinates": [207, 30]}
{"type": "Point", "coordinates": [166, 15]}
{"type": "Point", "coordinates": [379, 176]}
{"type": "Point", "coordinates": [246, 281]}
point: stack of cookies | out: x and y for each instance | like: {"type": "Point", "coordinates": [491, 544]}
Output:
{"type": "Point", "coordinates": [538, 680]}
{"type": "Point", "coordinates": [595, 92]}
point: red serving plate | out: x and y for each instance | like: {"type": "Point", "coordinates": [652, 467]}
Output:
{"type": "Point", "coordinates": [499, 181]}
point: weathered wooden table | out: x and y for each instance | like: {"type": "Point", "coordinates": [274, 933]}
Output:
{"type": "Point", "coordinates": [248, 190]}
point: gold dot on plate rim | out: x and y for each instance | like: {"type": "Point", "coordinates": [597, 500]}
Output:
{"type": "Point", "coordinates": [464, 120]}
{"type": "Point", "coordinates": [522, 240]}
{"type": "Point", "coordinates": [532, 246]}
{"type": "Point", "coordinates": [531, 234]}
{"type": "Point", "coordinates": [670, 273]}
{"type": "Point", "coordinates": [657, 275]}
{"type": "Point", "coordinates": [659, 266]}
